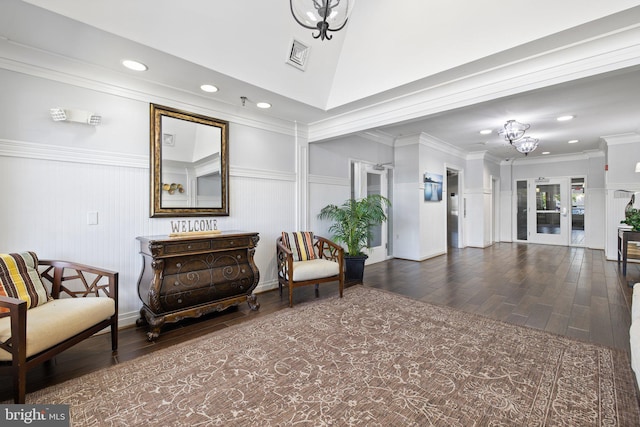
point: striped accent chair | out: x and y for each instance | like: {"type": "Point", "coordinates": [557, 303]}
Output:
{"type": "Point", "coordinates": [48, 306]}
{"type": "Point", "coordinates": [305, 259]}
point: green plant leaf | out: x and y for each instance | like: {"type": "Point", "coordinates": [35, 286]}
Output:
{"type": "Point", "coordinates": [352, 221]}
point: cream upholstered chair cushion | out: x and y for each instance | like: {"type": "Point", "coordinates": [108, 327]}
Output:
{"type": "Point", "coordinates": [314, 269]}
{"type": "Point", "coordinates": [51, 323]}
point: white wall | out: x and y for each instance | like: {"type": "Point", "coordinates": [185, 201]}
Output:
{"type": "Point", "coordinates": [54, 174]}
{"type": "Point", "coordinates": [623, 152]}
{"type": "Point", "coordinates": [330, 172]}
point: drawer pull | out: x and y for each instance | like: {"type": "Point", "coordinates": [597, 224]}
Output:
{"type": "Point", "coordinates": [243, 270]}
{"type": "Point", "coordinates": [188, 246]}
{"type": "Point", "coordinates": [238, 256]}
{"type": "Point", "coordinates": [179, 301]}
{"type": "Point", "coordinates": [176, 283]}
{"type": "Point", "coordinates": [178, 265]}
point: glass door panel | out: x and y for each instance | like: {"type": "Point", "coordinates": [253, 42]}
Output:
{"type": "Point", "coordinates": [551, 213]}
{"type": "Point", "coordinates": [548, 204]}
{"type": "Point", "coordinates": [374, 187]}
{"type": "Point", "coordinates": [521, 210]}
{"type": "Point", "coordinates": [368, 180]}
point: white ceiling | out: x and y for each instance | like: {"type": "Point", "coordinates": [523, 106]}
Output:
{"type": "Point", "coordinates": [389, 52]}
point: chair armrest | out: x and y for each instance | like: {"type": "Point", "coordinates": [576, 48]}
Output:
{"type": "Point", "coordinates": [329, 250]}
{"type": "Point", "coordinates": [284, 258]}
{"type": "Point", "coordinates": [79, 280]}
{"type": "Point", "coordinates": [16, 344]}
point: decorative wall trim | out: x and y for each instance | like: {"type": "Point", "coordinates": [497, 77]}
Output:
{"type": "Point", "coordinates": [262, 174]}
{"type": "Point", "coordinates": [32, 150]}
{"type": "Point", "coordinates": [329, 180]}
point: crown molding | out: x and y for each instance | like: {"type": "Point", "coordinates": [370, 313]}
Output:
{"type": "Point", "coordinates": [572, 60]}
{"type": "Point", "coordinates": [35, 62]}
{"type": "Point", "coordinates": [625, 138]}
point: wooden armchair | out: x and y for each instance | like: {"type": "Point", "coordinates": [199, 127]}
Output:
{"type": "Point", "coordinates": [83, 300]}
{"type": "Point", "coordinates": [325, 264]}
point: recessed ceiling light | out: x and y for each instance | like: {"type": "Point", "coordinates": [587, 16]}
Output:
{"type": "Point", "coordinates": [573, 141]}
{"type": "Point", "coordinates": [564, 118]}
{"type": "Point", "coordinates": [263, 105]}
{"type": "Point", "coordinates": [546, 152]}
{"type": "Point", "coordinates": [485, 132]}
{"type": "Point", "coordinates": [209, 88]}
{"type": "Point", "coordinates": [134, 65]}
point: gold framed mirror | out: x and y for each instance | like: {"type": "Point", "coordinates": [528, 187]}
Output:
{"type": "Point", "coordinates": [189, 164]}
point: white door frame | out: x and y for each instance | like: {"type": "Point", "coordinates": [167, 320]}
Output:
{"type": "Point", "coordinates": [360, 184]}
{"type": "Point", "coordinates": [563, 210]}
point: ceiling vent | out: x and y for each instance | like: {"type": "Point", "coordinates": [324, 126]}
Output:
{"type": "Point", "coordinates": [298, 55]}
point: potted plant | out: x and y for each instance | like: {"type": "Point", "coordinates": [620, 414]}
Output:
{"type": "Point", "coordinates": [632, 218]}
{"type": "Point", "coordinates": [352, 222]}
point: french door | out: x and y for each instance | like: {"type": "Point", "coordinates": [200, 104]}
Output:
{"type": "Point", "coordinates": [542, 210]}
{"type": "Point", "coordinates": [367, 180]}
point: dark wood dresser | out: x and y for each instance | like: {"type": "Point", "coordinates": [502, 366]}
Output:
{"type": "Point", "coordinates": [189, 276]}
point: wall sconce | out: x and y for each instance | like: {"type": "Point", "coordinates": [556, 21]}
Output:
{"type": "Point", "coordinates": [79, 116]}
{"type": "Point", "coordinates": [638, 167]}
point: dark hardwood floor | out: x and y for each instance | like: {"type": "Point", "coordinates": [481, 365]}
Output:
{"type": "Point", "coordinates": [569, 291]}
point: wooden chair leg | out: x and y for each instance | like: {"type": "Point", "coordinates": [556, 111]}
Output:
{"type": "Point", "coordinates": [19, 385]}
{"type": "Point", "coordinates": [290, 295]}
{"type": "Point", "coordinates": [114, 336]}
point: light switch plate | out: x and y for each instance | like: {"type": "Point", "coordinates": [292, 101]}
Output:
{"type": "Point", "coordinates": [92, 218]}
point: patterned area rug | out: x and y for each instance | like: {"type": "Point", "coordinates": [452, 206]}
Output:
{"type": "Point", "coordinates": [370, 359]}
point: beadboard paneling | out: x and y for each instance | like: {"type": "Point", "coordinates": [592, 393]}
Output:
{"type": "Point", "coordinates": [47, 201]}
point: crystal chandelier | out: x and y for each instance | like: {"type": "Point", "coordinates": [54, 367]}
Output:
{"type": "Point", "coordinates": [514, 130]}
{"type": "Point", "coordinates": [321, 15]}
{"type": "Point", "coordinates": [526, 145]}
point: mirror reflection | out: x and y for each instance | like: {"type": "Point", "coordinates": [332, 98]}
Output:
{"type": "Point", "coordinates": [189, 164]}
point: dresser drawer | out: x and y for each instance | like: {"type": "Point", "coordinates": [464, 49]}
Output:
{"type": "Point", "coordinates": [235, 242]}
{"type": "Point", "coordinates": [175, 295]}
{"type": "Point", "coordinates": [176, 248]}
{"type": "Point", "coordinates": [184, 264]}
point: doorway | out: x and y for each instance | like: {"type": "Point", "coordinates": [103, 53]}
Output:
{"type": "Point", "coordinates": [368, 179]}
{"type": "Point", "coordinates": [545, 210]}
{"type": "Point", "coordinates": [453, 209]}
{"type": "Point", "coordinates": [577, 211]}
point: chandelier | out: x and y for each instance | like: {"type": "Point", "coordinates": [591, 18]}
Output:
{"type": "Point", "coordinates": [526, 145]}
{"type": "Point", "coordinates": [514, 130]}
{"type": "Point", "coordinates": [321, 15]}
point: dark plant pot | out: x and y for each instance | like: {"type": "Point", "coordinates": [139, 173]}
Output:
{"type": "Point", "coordinates": [354, 268]}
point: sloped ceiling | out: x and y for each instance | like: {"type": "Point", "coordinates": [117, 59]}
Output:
{"type": "Point", "coordinates": [386, 44]}
{"type": "Point", "coordinates": [387, 68]}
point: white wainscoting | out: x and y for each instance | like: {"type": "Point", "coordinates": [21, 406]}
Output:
{"type": "Point", "coordinates": [46, 204]}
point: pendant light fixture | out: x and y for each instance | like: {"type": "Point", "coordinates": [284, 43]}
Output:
{"type": "Point", "coordinates": [514, 130]}
{"type": "Point", "coordinates": [321, 15]}
{"type": "Point", "coordinates": [526, 145]}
